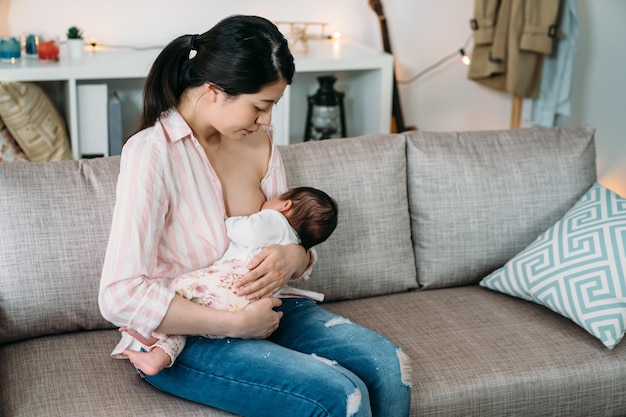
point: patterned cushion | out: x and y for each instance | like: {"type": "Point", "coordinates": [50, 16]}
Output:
{"type": "Point", "coordinates": [9, 149]}
{"type": "Point", "coordinates": [577, 267]}
{"type": "Point", "coordinates": [370, 252]}
{"type": "Point", "coordinates": [34, 122]}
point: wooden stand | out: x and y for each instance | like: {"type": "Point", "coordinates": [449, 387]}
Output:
{"type": "Point", "coordinates": [516, 112]}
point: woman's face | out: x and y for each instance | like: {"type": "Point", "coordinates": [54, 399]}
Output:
{"type": "Point", "coordinates": [239, 116]}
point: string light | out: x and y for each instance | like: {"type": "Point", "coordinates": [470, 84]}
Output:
{"type": "Point", "coordinates": [464, 58]}
{"type": "Point", "coordinates": [96, 46]}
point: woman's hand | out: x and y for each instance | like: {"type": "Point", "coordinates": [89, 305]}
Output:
{"type": "Point", "coordinates": [270, 270]}
{"type": "Point", "coordinates": [257, 320]}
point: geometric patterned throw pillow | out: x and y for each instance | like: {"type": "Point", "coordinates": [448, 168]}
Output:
{"type": "Point", "coordinates": [34, 122]}
{"type": "Point", "coordinates": [9, 149]}
{"type": "Point", "coordinates": [577, 267]}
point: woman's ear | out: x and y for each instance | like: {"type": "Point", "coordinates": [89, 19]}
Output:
{"type": "Point", "coordinates": [213, 91]}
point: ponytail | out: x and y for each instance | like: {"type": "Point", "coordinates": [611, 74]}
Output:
{"type": "Point", "coordinates": [164, 83]}
{"type": "Point", "coordinates": [240, 54]}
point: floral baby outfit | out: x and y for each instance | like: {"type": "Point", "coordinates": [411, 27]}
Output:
{"type": "Point", "coordinates": [214, 286]}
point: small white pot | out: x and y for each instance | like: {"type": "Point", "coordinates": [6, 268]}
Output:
{"type": "Point", "coordinates": [75, 48]}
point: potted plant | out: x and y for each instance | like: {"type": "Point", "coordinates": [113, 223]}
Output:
{"type": "Point", "coordinates": [75, 42]}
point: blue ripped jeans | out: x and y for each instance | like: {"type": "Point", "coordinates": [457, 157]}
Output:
{"type": "Point", "coordinates": [315, 364]}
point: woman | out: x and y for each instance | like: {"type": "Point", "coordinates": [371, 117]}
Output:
{"type": "Point", "coordinates": [203, 152]}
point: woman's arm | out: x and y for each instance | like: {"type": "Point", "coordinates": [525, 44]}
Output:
{"type": "Point", "coordinates": [257, 321]}
{"type": "Point", "coordinates": [127, 296]}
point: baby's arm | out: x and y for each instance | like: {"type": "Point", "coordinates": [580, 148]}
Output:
{"type": "Point", "coordinates": [148, 342]}
{"type": "Point", "coordinates": [258, 230]}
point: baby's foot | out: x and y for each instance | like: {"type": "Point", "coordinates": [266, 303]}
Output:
{"type": "Point", "coordinates": [150, 363]}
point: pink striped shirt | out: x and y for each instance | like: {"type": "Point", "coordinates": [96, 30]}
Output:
{"type": "Point", "coordinates": [168, 220]}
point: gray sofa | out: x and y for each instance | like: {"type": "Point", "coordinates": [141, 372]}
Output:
{"type": "Point", "coordinates": [423, 218]}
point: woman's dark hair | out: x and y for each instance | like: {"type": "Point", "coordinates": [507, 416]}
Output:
{"type": "Point", "coordinates": [313, 214]}
{"type": "Point", "coordinates": [240, 55]}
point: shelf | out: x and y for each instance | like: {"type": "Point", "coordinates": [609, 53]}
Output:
{"type": "Point", "coordinates": [95, 65]}
{"type": "Point", "coordinates": [365, 76]}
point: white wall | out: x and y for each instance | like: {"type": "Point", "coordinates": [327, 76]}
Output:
{"type": "Point", "coordinates": [421, 33]}
{"type": "Point", "coordinates": [154, 22]}
{"type": "Point", "coordinates": [599, 94]}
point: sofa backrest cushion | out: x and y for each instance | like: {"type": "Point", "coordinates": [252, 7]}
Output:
{"type": "Point", "coordinates": [478, 198]}
{"type": "Point", "coordinates": [370, 253]}
{"type": "Point", "coordinates": [55, 223]}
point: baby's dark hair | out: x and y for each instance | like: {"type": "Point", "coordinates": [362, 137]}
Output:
{"type": "Point", "coordinates": [313, 214]}
{"type": "Point", "coordinates": [240, 55]}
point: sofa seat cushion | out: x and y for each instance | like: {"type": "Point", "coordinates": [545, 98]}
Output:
{"type": "Point", "coordinates": [478, 198]}
{"type": "Point", "coordinates": [476, 352]}
{"type": "Point", "coordinates": [473, 351]}
{"type": "Point", "coordinates": [370, 253]}
{"type": "Point", "coordinates": [74, 375]}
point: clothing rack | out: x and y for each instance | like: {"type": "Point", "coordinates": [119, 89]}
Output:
{"type": "Point", "coordinates": [516, 111]}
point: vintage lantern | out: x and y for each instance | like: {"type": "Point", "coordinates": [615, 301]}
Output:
{"type": "Point", "coordinates": [325, 115]}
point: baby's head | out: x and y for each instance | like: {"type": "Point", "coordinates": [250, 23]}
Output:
{"type": "Point", "coordinates": [311, 212]}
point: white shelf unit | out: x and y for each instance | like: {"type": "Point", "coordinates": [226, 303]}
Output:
{"type": "Point", "coordinates": [363, 74]}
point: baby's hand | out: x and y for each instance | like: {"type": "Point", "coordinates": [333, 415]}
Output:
{"type": "Point", "coordinates": [148, 342]}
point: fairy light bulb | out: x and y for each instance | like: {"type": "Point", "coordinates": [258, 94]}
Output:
{"type": "Point", "coordinates": [464, 58]}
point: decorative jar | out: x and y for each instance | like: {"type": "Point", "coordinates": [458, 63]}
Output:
{"type": "Point", "coordinates": [10, 48]}
{"type": "Point", "coordinates": [48, 49]}
{"type": "Point", "coordinates": [30, 45]}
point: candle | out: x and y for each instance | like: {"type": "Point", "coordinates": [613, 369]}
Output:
{"type": "Point", "coordinates": [31, 45]}
{"type": "Point", "coordinates": [10, 48]}
{"type": "Point", "coordinates": [48, 50]}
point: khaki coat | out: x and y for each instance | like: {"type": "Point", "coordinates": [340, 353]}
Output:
{"type": "Point", "coordinates": [511, 38]}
